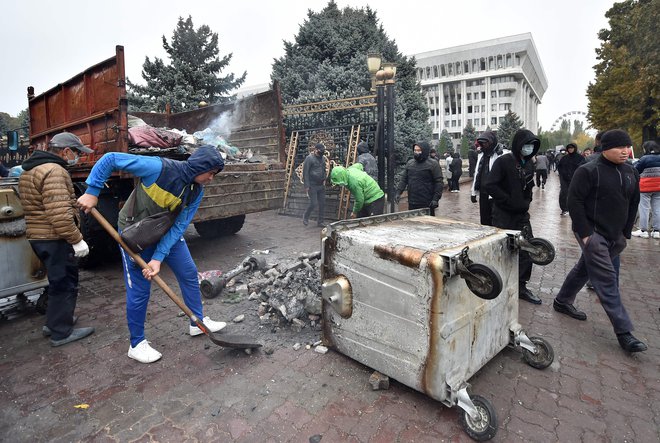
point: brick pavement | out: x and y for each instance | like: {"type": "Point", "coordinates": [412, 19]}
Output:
{"type": "Point", "coordinates": [198, 392]}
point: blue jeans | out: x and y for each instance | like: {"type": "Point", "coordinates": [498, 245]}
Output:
{"type": "Point", "coordinates": [649, 204]}
{"type": "Point", "coordinates": [138, 288]}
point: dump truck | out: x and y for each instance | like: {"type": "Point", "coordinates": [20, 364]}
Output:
{"type": "Point", "coordinates": [93, 105]}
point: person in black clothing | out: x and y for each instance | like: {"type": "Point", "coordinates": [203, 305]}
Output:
{"type": "Point", "coordinates": [456, 168]}
{"type": "Point", "coordinates": [4, 172]}
{"type": "Point", "coordinates": [566, 168]}
{"type": "Point", "coordinates": [602, 201]}
{"type": "Point", "coordinates": [423, 178]}
{"type": "Point", "coordinates": [472, 160]}
{"type": "Point", "coordinates": [489, 153]}
{"type": "Point", "coordinates": [510, 185]}
{"type": "Point", "coordinates": [367, 160]}
{"type": "Point", "coordinates": [314, 176]}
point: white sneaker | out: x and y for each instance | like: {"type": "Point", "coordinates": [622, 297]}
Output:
{"type": "Point", "coordinates": [214, 326]}
{"type": "Point", "coordinates": [656, 234]}
{"type": "Point", "coordinates": [144, 353]}
{"type": "Point", "coordinates": [640, 233]}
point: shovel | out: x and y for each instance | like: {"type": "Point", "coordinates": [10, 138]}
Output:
{"type": "Point", "coordinates": [227, 341]}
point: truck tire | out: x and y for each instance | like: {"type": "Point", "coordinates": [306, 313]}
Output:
{"type": "Point", "coordinates": [220, 228]}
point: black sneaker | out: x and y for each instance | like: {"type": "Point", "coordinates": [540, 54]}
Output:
{"type": "Point", "coordinates": [305, 221]}
{"type": "Point", "coordinates": [629, 343]}
{"type": "Point", "coordinates": [45, 330]}
{"type": "Point", "coordinates": [76, 334]}
{"type": "Point", "coordinates": [569, 310]}
{"type": "Point", "coordinates": [527, 295]}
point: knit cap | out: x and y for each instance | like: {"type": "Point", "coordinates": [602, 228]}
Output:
{"type": "Point", "coordinates": [615, 138]}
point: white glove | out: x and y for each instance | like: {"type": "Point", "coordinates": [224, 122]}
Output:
{"type": "Point", "coordinates": [81, 249]}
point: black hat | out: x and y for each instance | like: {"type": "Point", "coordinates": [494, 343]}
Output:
{"type": "Point", "coordinates": [68, 140]}
{"type": "Point", "coordinates": [319, 146]}
{"type": "Point", "coordinates": [571, 145]}
{"type": "Point", "coordinates": [615, 138]}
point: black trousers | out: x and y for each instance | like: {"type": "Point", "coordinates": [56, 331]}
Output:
{"type": "Point", "coordinates": [541, 177]}
{"type": "Point", "coordinates": [599, 263]}
{"type": "Point", "coordinates": [376, 207]}
{"type": "Point", "coordinates": [316, 198]}
{"type": "Point", "coordinates": [563, 194]}
{"type": "Point", "coordinates": [62, 268]}
{"type": "Point", "coordinates": [505, 220]}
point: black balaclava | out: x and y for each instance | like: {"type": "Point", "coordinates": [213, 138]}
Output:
{"type": "Point", "coordinates": [426, 150]}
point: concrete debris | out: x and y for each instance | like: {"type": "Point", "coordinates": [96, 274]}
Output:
{"type": "Point", "coordinates": [297, 346]}
{"type": "Point", "coordinates": [379, 381]}
{"type": "Point", "coordinates": [317, 343]}
{"type": "Point", "coordinates": [239, 318]}
{"type": "Point", "coordinates": [322, 350]}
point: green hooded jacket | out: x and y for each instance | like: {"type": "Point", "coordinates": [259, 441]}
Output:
{"type": "Point", "coordinates": [365, 190]}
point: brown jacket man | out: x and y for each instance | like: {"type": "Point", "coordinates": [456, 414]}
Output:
{"type": "Point", "coordinates": [53, 221]}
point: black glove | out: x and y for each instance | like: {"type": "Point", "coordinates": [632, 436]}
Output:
{"type": "Point", "coordinates": [473, 198]}
{"type": "Point", "coordinates": [397, 198]}
{"type": "Point", "coordinates": [434, 204]}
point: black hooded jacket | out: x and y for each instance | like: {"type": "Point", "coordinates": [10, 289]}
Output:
{"type": "Point", "coordinates": [569, 164]}
{"type": "Point", "coordinates": [423, 178]}
{"type": "Point", "coordinates": [511, 180]}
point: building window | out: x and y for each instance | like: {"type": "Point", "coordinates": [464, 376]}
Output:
{"type": "Point", "coordinates": [450, 70]}
{"type": "Point", "coordinates": [469, 121]}
{"type": "Point", "coordinates": [474, 65]}
{"type": "Point", "coordinates": [493, 120]}
{"type": "Point", "coordinates": [442, 70]}
{"type": "Point", "coordinates": [483, 95]}
{"type": "Point", "coordinates": [517, 60]}
{"type": "Point", "coordinates": [491, 63]}
{"type": "Point", "coordinates": [453, 123]}
{"type": "Point", "coordinates": [483, 122]}
{"type": "Point", "coordinates": [428, 72]}
{"type": "Point", "coordinates": [446, 123]}
{"type": "Point", "coordinates": [469, 96]}
{"type": "Point", "coordinates": [493, 107]}
{"type": "Point", "coordinates": [469, 109]}
{"type": "Point", "coordinates": [482, 64]}
{"type": "Point", "coordinates": [466, 67]}
{"type": "Point", "coordinates": [508, 60]}
{"type": "Point", "coordinates": [505, 106]}
{"type": "Point", "coordinates": [435, 72]}
{"type": "Point", "coordinates": [493, 94]}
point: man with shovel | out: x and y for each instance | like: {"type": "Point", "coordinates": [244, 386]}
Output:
{"type": "Point", "coordinates": [164, 185]}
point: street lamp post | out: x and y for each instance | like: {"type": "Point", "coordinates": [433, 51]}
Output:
{"type": "Point", "coordinates": [390, 72]}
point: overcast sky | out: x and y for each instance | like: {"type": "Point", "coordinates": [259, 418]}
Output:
{"type": "Point", "coordinates": [47, 42]}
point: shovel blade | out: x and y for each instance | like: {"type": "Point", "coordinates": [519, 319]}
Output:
{"type": "Point", "coordinates": [234, 341]}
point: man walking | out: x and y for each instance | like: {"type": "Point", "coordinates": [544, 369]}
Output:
{"type": "Point", "coordinates": [367, 160]}
{"type": "Point", "coordinates": [602, 201]}
{"type": "Point", "coordinates": [510, 185]}
{"type": "Point", "coordinates": [53, 229]}
{"type": "Point", "coordinates": [423, 178]}
{"type": "Point", "coordinates": [314, 181]}
{"type": "Point", "coordinates": [489, 153]}
{"type": "Point", "coordinates": [541, 170]}
{"type": "Point", "coordinates": [566, 168]}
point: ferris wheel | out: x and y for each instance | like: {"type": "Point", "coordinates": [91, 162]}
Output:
{"type": "Point", "coordinates": [571, 116]}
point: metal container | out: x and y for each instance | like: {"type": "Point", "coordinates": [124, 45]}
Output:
{"type": "Point", "coordinates": [399, 296]}
{"type": "Point", "coordinates": [20, 270]}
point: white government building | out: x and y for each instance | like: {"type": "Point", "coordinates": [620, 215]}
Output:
{"type": "Point", "coordinates": [480, 82]}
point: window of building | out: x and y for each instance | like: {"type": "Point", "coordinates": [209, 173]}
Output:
{"type": "Point", "coordinates": [446, 123]}
{"type": "Point", "coordinates": [493, 107]}
{"type": "Point", "coordinates": [474, 65]}
{"type": "Point", "coordinates": [505, 106]}
{"type": "Point", "coordinates": [450, 69]}
{"type": "Point", "coordinates": [493, 94]}
{"type": "Point", "coordinates": [483, 95]}
{"type": "Point", "coordinates": [508, 60]}
{"type": "Point", "coordinates": [428, 72]}
{"type": "Point", "coordinates": [458, 68]}
{"type": "Point", "coordinates": [469, 109]}
{"type": "Point", "coordinates": [442, 70]}
{"type": "Point", "coordinates": [499, 62]}
{"type": "Point", "coordinates": [493, 120]}
{"type": "Point", "coordinates": [453, 123]}
{"type": "Point", "coordinates": [432, 112]}
{"type": "Point", "coordinates": [491, 63]}
{"type": "Point", "coordinates": [482, 64]}
{"type": "Point", "coordinates": [466, 67]}
{"type": "Point", "coordinates": [469, 121]}
{"type": "Point", "coordinates": [460, 123]}
{"type": "Point", "coordinates": [517, 60]}
{"type": "Point", "coordinates": [469, 96]}
{"type": "Point", "coordinates": [483, 122]}
{"type": "Point", "coordinates": [435, 71]}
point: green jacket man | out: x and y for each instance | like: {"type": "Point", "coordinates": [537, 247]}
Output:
{"type": "Point", "coordinates": [369, 198]}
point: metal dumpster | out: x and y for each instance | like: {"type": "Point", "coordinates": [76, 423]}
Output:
{"type": "Point", "coordinates": [22, 275]}
{"type": "Point", "coordinates": [399, 296]}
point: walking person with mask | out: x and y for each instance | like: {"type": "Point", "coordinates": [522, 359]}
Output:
{"type": "Point", "coordinates": [314, 176]}
{"type": "Point", "coordinates": [510, 184]}
{"type": "Point", "coordinates": [422, 176]}
{"type": "Point", "coordinates": [53, 230]}
{"type": "Point", "coordinates": [489, 153]}
{"type": "Point", "coordinates": [602, 201]}
{"type": "Point", "coordinates": [164, 185]}
{"type": "Point", "coordinates": [566, 167]}
{"type": "Point", "coordinates": [367, 160]}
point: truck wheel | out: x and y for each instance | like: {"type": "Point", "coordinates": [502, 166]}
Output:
{"type": "Point", "coordinates": [487, 284]}
{"type": "Point", "coordinates": [485, 426]}
{"type": "Point", "coordinates": [543, 357]}
{"type": "Point", "coordinates": [219, 228]}
{"type": "Point", "coordinates": [544, 252]}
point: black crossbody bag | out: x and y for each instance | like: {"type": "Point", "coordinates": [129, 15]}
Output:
{"type": "Point", "coordinates": [148, 231]}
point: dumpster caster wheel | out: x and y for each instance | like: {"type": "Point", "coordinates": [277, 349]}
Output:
{"type": "Point", "coordinates": [543, 357]}
{"type": "Point", "coordinates": [487, 284]}
{"type": "Point", "coordinates": [544, 251]}
{"type": "Point", "coordinates": [484, 427]}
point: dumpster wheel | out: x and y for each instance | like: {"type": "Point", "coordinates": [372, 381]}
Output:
{"type": "Point", "coordinates": [485, 283]}
{"type": "Point", "coordinates": [544, 251]}
{"type": "Point", "coordinates": [485, 426]}
{"type": "Point", "coordinates": [543, 357]}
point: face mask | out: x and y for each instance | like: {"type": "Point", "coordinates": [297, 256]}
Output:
{"type": "Point", "coordinates": [527, 150]}
{"type": "Point", "coordinates": [73, 161]}
{"type": "Point", "coordinates": [417, 156]}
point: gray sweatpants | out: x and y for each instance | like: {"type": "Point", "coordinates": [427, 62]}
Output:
{"type": "Point", "coordinates": [596, 265]}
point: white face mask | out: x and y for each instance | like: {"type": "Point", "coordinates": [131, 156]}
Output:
{"type": "Point", "coordinates": [74, 160]}
{"type": "Point", "coordinates": [527, 150]}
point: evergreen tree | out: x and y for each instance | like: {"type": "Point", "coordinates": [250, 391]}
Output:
{"type": "Point", "coordinates": [327, 60]}
{"type": "Point", "coordinates": [191, 76]}
{"type": "Point", "coordinates": [446, 143]}
{"type": "Point", "coordinates": [470, 133]}
{"type": "Point", "coordinates": [625, 91]}
{"type": "Point", "coordinates": [578, 128]}
{"type": "Point", "coordinates": [24, 122]}
{"type": "Point", "coordinates": [509, 124]}
{"type": "Point", "coordinates": [465, 146]}
{"type": "Point", "coordinates": [4, 123]}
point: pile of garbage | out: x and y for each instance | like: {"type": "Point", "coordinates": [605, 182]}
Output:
{"type": "Point", "coordinates": [146, 139]}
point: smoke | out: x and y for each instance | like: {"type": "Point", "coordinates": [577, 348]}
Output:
{"type": "Point", "coordinates": [226, 122]}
